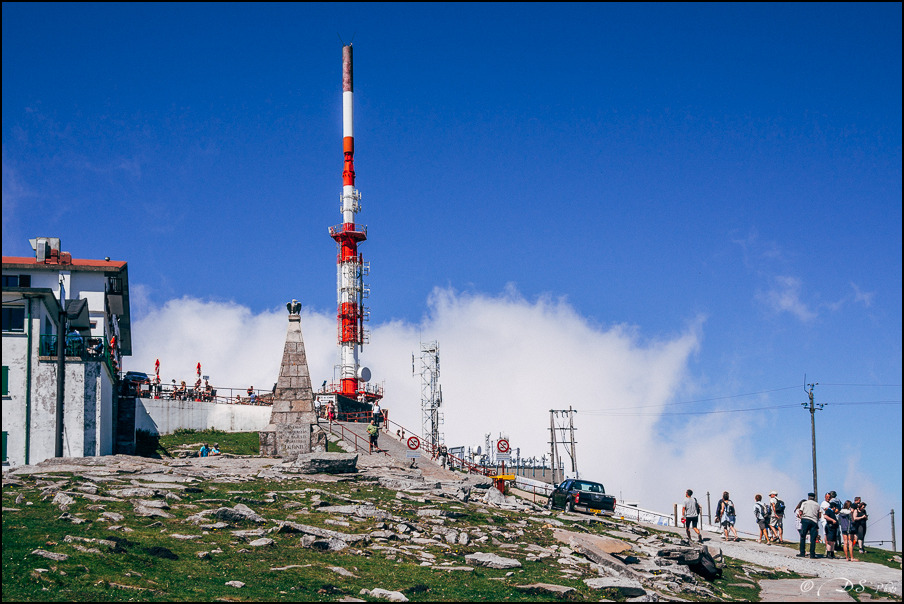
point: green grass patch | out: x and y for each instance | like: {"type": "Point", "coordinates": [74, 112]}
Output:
{"type": "Point", "coordinates": [236, 443]}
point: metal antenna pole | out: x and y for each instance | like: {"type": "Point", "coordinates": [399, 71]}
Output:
{"type": "Point", "coordinates": [431, 393]}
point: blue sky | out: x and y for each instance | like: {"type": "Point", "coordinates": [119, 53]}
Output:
{"type": "Point", "coordinates": [712, 192]}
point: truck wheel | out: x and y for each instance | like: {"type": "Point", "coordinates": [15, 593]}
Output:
{"type": "Point", "coordinates": [569, 505]}
{"type": "Point", "coordinates": [549, 503]}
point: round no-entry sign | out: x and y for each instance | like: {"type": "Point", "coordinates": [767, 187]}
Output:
{"type": "Point", "coordinates": [414, 443]}
{"type": "Point", "coordinates": [502, 446]}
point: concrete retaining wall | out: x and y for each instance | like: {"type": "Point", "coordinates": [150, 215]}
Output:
{"type": "Point", "coordinates": [161, 416]}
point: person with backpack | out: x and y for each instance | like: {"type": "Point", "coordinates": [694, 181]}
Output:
{"type": "Point", "coordinates": [691, 514]}
{"type": "Point", "coordinates": [778, 513]}
{"type": "Point", "coordinates": [725, 512]}
{"type": "Point", "coordinates": [761, 512]}
{"type": "Point", "coordinates": [848, 532]}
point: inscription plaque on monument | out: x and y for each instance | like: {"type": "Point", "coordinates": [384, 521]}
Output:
{"type": "Point", "coordinates": [293, 440]}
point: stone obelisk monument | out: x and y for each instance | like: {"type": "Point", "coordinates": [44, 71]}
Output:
{"type": "Point", "coordinates": [292, 430]}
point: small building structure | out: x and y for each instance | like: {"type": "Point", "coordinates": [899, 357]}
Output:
{"type": "Point", "coordinates": [66, 327]}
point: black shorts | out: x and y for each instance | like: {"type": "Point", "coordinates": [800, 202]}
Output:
{"type": "Point", "coordinates": [691, 522]}
{"type": "Point", "coordinates": [831, 533]}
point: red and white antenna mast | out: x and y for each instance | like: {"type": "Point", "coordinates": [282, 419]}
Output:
{"type": "Point", "coordinates": [351, 267]}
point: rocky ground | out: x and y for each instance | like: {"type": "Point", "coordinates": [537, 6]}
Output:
{"type": "Point", "coordinates": [383, 531]}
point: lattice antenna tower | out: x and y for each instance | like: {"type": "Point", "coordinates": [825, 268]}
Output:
{"type": "Point", "coordinates": [431, 393]}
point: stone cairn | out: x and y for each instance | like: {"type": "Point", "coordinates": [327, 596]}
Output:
{"type": "Point", "coordinates": [291, 431]}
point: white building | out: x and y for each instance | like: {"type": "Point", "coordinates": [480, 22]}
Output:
{"type": "Point", "coordinates": [40, 294]}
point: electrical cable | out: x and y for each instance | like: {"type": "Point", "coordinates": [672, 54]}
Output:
{"type": "Point", "coordinates": [717, 398]}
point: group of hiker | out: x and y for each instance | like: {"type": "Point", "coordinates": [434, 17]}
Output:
{"type": "Point", "coordinates": [841, 524]}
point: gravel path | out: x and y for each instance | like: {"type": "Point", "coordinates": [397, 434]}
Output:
{"type": "Point", "coordinates": [836, 571]}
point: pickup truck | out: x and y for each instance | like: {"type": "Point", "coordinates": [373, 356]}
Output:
{"type": "Point", "coordinates": [581, 496]}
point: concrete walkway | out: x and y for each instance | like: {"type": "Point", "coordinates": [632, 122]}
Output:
{"type": "Point", "coordinates": [398, 451]}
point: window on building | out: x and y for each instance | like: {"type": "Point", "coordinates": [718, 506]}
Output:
{"type": "Point", "coordinates": [5, 380]}
{"type": "Point", "coordinates": [16, 280]}
{"type": "Point", "coordinates": [13, 318]}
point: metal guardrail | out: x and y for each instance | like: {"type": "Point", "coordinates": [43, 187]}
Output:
{"type": "Point", "coordinates": [214, 395]}
{"type": "Point", "coordinates": [453, 461]}
{"type": "Point", "coordinates": [338, 429]}
{"type": "Point", "coordinates": [92, 348]}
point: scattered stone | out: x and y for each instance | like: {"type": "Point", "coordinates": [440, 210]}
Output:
{"type": "Point", "coordinates": [204, 555]}
{"type": "Point", "coordinates": [50, 555]}
{"type": "Point", "coordinates": [185, 537]}
{"type": "Point", "coordinates": [240, 513]}
{"type": "Point", "coordinates": [325, 463]}
{"type": "Point", "coordinates": [437, 513]}
{"type": "Point", "coordinates": [627, 588]}
{"type": "Point", "coordinates": [364, 511]}
{"type": "Point", "coordinates": [384, 594]}
{"type": "Point", "coordinates": [491, 560]}
{"type": "Point", "coordinates": [249, 533]}
{"type": "Point", "coordinates": [113, 516]}
{"type": "Point", "coordinates": [262, 542]}
{"type": "Point", "coordinates": [104, 542]}
{"type": "Point", "coordinates": [294, 527]}
{"type": "Point", "coordinates": [237, 584]}
{"type": "Point", "coordinates": [63, 501]}
{"type": "Point", "coordinates": [142, 508]}
{"type": "Point", "coordinates": [291, 566]}
{"type": "Point", "coordinates": [135, 493]}
{"type": "Point", "coordinates": [557, 590]}
{"type": "Point", "coordinates": [341, 571]}
{"type": "Point", "coordinates": [67, 517]}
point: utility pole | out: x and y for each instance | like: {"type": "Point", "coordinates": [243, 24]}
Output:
{"type": "Point", "coordinates": [61, 371]}
{"type": "Point", "coordinates": [709, 510]}
{"type": "Point", "coordinates": [553, 447]}
{"type": "Point", "coordinates": [813, 408]}
{"type": "Point", "coordinates": [894, 545]}
{"type": "Point", "coordinates": [568, 443]}
{"type": "Point", "coordinates": [574, 459]}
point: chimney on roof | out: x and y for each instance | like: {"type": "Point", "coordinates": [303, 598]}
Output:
{"type": "Point", "coordinates": [46, 248]}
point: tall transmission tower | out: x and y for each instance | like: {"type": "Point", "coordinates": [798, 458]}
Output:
{"type": "Point", "coordinates": [431, 393]}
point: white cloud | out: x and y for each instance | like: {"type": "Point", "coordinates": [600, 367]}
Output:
{"type": "Point", "coordinates": [865, 298]}
{"type": "Point", "coordinates": [785, 296]}
{"type": "Point", "coordinates": [505, 362]}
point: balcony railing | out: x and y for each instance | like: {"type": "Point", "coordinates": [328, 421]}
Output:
{"type": "Point", "coordinates": [85, 349]}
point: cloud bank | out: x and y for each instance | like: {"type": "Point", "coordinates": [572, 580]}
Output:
{"type": "Point", "coordinates": [505, 362]}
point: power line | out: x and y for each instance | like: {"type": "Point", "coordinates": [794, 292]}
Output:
{"type": "Point", "coordinates": [865, 385]}
{"type": "Point", "coordinates": [628, 414]}
{"type": "Point", "coordinates": [717, 398]}
{"type": "Point", "coordinates": [616, 412]}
